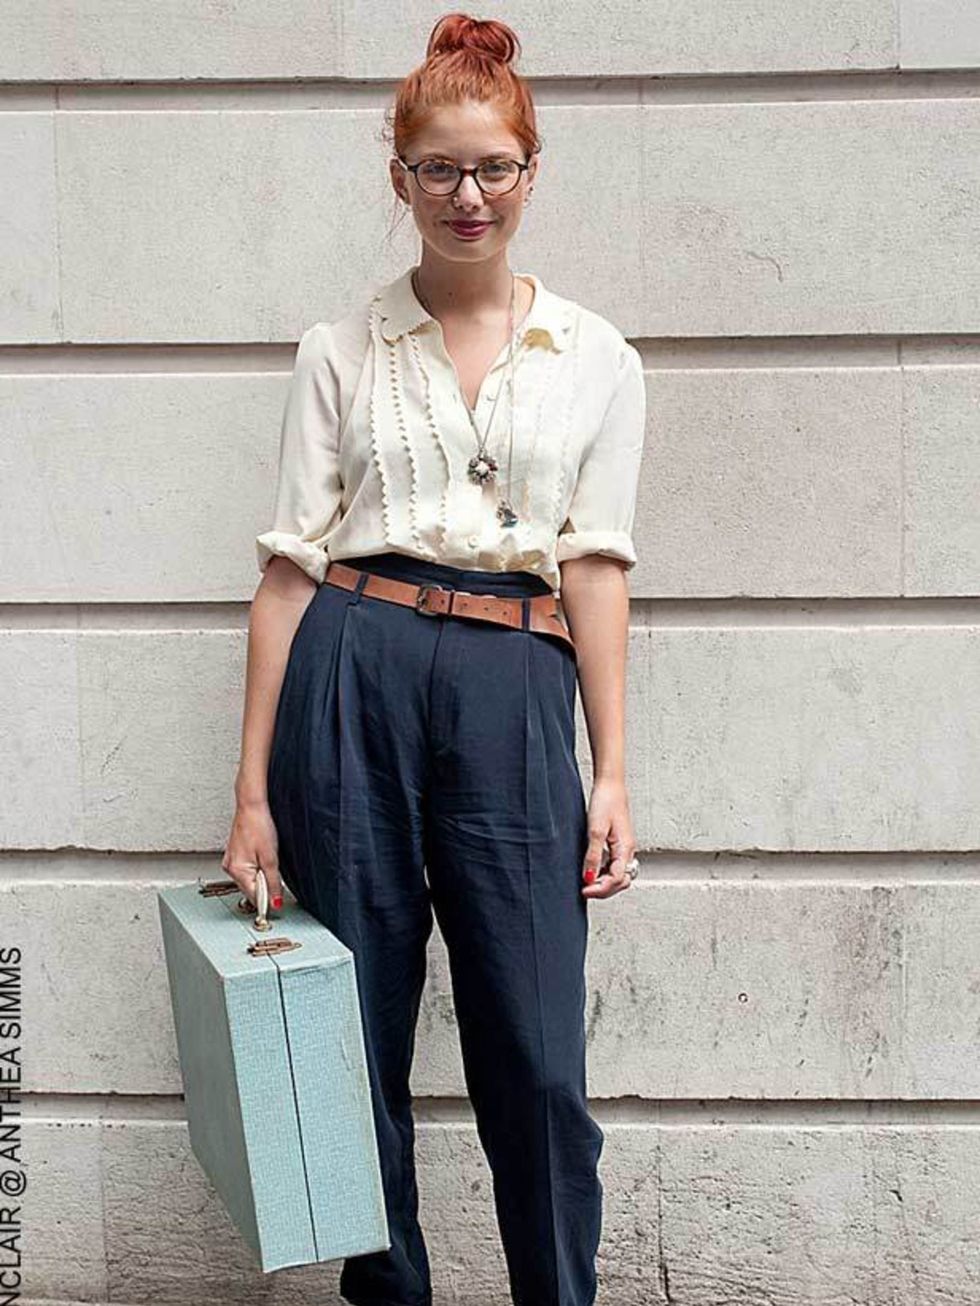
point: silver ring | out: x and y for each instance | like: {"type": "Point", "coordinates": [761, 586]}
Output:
{"type": "Point", "coordinates": [632, 868]}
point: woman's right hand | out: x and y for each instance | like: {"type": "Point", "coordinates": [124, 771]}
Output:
{"type": "Point", "coordinates": [253, 843]}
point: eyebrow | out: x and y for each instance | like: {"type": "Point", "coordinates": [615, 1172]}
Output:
{"type": "Point", "coordinates": [496, 154]}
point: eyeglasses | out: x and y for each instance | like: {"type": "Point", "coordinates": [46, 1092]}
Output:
{"type": "Point", "coordinates": [440, 177]}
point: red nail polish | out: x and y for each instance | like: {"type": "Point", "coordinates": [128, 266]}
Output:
{"type": "Point", "coordinates": [277, 902]}
{"type": "Point", "coordinates": [589, 874]}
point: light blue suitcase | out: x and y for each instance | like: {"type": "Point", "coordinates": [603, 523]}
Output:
{"type": "Point", "coordinates": [276, 1087]}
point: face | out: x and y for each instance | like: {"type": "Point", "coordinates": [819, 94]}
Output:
{"type": "Point", "coordinates": [465, 134]}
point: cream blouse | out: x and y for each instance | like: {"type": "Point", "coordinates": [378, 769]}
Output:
{"type": "Point", "coordinates": [376, 438]}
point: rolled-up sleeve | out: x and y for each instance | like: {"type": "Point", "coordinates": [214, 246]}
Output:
{"type": "Point", "coordinates": [603, 504]}
{"type": "Point", "coordinates": [308, 493]}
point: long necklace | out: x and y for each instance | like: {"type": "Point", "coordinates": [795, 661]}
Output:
{"type": "Point", "coordinates": [482, 467]}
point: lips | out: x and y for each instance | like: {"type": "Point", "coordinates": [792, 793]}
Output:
{"type": "Point", "coordinates": [469, 228]}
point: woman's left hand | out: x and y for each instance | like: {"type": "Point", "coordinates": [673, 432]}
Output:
{"type": "Point", "coordinates": [609, 824]}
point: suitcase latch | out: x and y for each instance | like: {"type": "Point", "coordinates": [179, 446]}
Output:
{"type": "Point", "coordinates": [263, 947]}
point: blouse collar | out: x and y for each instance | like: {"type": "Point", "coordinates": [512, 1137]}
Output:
{"type": "Point", "coordinates": [401, 311]}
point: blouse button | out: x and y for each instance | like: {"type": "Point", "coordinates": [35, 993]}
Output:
{"type": "Point", "coordinates": [473, 541]}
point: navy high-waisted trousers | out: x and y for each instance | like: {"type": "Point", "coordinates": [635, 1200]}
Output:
{"type": "Point", "coordinates": [427, 763]}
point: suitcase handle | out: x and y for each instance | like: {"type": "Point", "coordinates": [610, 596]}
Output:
{"type": "Point", "coordinates": [264, 947]}
{"type": "Point", "coordinates": [211, 888]}
{"type": "Point", "coordinates": [261, 907]}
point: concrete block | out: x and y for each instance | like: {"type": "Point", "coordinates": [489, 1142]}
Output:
{"type": "Point", "coordinates": [136, 487]}
{"type": "Point", "coordinates": [30, 288]}
{"type": "Point", "coordinates": [939, 34]}
{"type": "Point", "coordinates": [941, 411]}
{"type": "Point", "coordinates": [84, 40]}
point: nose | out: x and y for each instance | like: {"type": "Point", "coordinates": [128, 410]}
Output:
{"type": "Point", "coordinates": [469, 194]}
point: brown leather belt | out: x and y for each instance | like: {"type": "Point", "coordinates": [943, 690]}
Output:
{"type": "Point", "coordinates": [436, 601]}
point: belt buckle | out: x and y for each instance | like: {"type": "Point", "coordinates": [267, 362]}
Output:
{"type": "Point", "coordinates": [421, 596]}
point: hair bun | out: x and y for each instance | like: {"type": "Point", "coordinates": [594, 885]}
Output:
{"type": "Point", "coordinates": [487, 38]}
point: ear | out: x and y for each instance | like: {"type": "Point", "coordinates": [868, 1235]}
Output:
{"type": "Point", "coordinates": [397, 174]}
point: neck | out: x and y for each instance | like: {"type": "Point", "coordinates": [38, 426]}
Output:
{"type": "Point", "coordinates": [474, 292]}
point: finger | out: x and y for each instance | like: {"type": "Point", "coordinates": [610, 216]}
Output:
{"type": "Point", "coordinates": [243, 873]}
{"type": "Point", "coordinates": [269, 861]}
{"type": "Point", "coordinates": [592, 864]}
{"type": "Point", "coordinates": [614, 879]}
{"type": "Point", "coordinates": [604, 887]}
{"type": "Point", "coordinates": [618, 872]}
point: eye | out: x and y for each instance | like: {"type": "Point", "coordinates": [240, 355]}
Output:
{"type": "Point", "coordinates": [437, 168]}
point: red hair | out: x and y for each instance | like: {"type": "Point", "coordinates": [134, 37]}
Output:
{"type": "Point", "coordinates": [466, 59]}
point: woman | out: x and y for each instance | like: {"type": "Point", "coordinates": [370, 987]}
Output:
{"type": "Point", "coordinates": [408, 741]}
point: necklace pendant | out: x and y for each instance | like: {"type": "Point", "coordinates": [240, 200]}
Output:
{"type": "Point", "coordinates": [482, 468]}
{"type": "Point", "coordinates": [506, 514]}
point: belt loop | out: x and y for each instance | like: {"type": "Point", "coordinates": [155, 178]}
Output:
{"type": "Point", "coordinates": [362, 580]}
{"type": "Point", "coordinates": [525, 613]}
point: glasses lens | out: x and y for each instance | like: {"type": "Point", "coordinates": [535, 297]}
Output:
{"type": "Point", "coordinates": [498, 176]}
{"type": "Point", "coordinates": [437, 177]}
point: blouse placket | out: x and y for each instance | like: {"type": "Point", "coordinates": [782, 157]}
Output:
{"type": "Point", "coordinates": [415, 377]}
